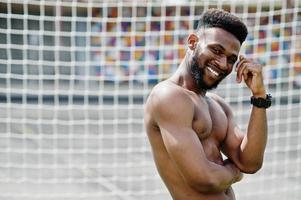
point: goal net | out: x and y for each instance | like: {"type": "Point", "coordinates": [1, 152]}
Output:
{"type": "Point", "coordinates": [74, 76]}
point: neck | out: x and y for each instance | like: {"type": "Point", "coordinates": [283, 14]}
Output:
{"type": "Point", "coordinates": [184, 78]}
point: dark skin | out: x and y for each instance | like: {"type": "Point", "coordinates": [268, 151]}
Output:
{"type": "Point", "coordinates": [188, 128]}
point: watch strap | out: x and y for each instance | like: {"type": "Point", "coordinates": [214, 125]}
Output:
{"type": "Point", "coordinates": [262, 102]}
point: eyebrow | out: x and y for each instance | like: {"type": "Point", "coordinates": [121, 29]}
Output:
{"type": "Point", "coordinates": [223, 48]}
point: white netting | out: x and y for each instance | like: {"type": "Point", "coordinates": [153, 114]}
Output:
{"type": "Point", "coordinates": [74, 76]}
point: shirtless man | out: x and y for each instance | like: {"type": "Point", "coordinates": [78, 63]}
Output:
{"type": "Point", "coordinates": [188, 128]}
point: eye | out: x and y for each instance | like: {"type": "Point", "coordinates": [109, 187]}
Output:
{"type": "Point", "coordinates": [216, 50]}
{"type": "Point", "coordinates": [232, 61]}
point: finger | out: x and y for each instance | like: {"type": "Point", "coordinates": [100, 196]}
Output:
{"type": "Point", "coordinates": [256, 68]}
{"type": "Point", "coordinates": [246, 74]}
{"type": "Point", "coordinates": [240, 71]}
{"type": "Point", "coordinates": [241, 59]}
{"type": "Point", "coordinates": [238, 63]}
{"type": "Point", "coordinates": [241, 62]}
{"type": "Point", "coordinates": [252, 70]}
{"type": "Point", "coordinates": [240, 74]}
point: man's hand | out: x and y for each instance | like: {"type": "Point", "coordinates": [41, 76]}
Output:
{"type": "Point", "coordinates": [252, 75]}
{"type": "Point", "coordinates": [230, 165]}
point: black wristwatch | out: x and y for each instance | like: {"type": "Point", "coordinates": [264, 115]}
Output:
{"type": "Point", "coordinates": [262, 102]}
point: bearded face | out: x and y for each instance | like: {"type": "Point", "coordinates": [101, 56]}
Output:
{"type": "Point", "coordinates": [213, 56]}
{"type": "Point", "coordinates": [198, 73]}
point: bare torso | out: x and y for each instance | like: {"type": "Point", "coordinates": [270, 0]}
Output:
{"type": "Point", "coordinates": [210, 125]}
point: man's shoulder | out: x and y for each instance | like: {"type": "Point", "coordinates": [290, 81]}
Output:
{"type": "Point", "coordinates": [167, 94]}
{"type": "Point", "coordinates": [166, 90]}
{"type": "Point", "coordinates": [169, 103]}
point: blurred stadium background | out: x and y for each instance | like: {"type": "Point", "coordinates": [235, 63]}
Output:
{"type": "Point", "coordinates": [74, 76]}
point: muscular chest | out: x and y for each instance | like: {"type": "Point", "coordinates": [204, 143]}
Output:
{"type": "Point", "coordinates": [210, 121]}
{"type": "Point", "coordinates": [210, 124]}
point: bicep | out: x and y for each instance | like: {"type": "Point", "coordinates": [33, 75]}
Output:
{"type": "Point", "coordinates": [186, 151]}
{"type": "Point", "coordinates": [232, 144]}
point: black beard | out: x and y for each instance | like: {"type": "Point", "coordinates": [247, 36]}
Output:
{"type": "Point", "coordinates": [198, 75]}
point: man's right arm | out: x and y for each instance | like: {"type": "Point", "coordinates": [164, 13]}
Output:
{"type": "Point", "coordinates": [173, 111]}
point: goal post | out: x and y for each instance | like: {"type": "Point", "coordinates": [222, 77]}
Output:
{"type": "Point", "coordinates": [74, 76]}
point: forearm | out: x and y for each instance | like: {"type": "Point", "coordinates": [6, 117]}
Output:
{"type": "Point", "coordinates": [226, 177]}
{"type": "Point", "coordinates": [219, 179]}
{"type": "Point", "coordinates": [253, 145]}
{"type": "Point", "coordinates": [254, 142]}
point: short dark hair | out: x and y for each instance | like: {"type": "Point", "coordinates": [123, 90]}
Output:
{"type": "Point", "coordinates": [222, 19]}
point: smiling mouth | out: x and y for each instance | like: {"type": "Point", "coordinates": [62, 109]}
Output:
{"type": "Point", "coordinates": [214, 72]}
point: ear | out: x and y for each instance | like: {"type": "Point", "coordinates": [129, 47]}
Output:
{"type": "Point", "coordinates": [192, 40]}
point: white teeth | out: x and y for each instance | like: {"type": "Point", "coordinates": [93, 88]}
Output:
{"type": "Point", "coordinates": [212, 71]}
